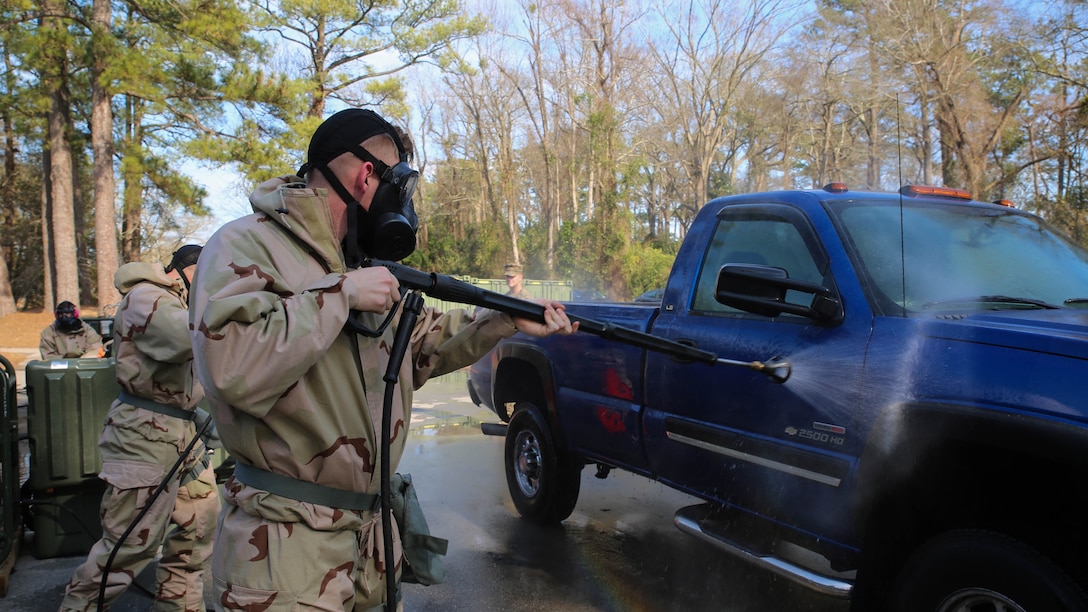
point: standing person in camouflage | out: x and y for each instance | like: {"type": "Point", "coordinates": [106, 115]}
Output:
{"type": "Point", "coordinates": [514, 279]}
{"type": "Point", "coordinates": [298, 398]}
{"type": "Point", "coordinates": [147, 429]}
{"type": "Point", "coordinates": [69, 337]}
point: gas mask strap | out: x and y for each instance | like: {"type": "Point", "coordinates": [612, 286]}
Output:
{"type": "Point", "coordinates": [185, 281]}
{"type": "Point", "coordinates": [352, 257]}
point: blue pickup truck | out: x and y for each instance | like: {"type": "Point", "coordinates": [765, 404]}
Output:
{"type": "Point", "coordinates": [922, 444]}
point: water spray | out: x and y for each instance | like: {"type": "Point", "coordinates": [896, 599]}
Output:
{"type": "Point", "coordinates": [450, 289]}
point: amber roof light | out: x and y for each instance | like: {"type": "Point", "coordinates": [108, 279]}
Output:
{"type": "Point", "coordinates": [836, 188]}
{"type": "Point", "coordinates": [929, 190]}
{"type": "Point", "coordinates": [1008, 203]}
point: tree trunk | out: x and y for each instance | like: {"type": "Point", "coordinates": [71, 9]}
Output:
{"type": "Point", "coordinates": [509, 193]}
{"type": "Point", "coordinates": [131, 246]}
{"type": "Point", "coordinates": [7, 300]}
{"type": "Point", "coordinates": [950, 168]}
{"type": "Point", "coordinates": [49, 296]}
{"type": "Point", "coordinates": [63, 196]}
{"type": "Point", "coordinates": [132, 172]}
{"type": "Point", "coordinates": [926, 139]}
{"type": "Point", "coordinates": [81, 210]}
{"type": "Point", "coordinates": [105, 188]}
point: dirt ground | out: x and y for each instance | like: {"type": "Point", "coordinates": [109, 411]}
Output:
{"type": "Point", "coordinates": [22, 329]}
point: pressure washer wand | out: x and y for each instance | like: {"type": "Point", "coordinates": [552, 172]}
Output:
{"type": "Point", "coordinates": [452, 290]}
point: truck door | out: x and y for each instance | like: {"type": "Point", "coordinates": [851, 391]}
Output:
{"type": "Point", "coordinates": [732, 434]}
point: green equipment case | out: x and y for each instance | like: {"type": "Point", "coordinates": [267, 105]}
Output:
{"type": "Point", "coordinates": [68, 403]}
{"type": "Point", "coordinates": [68, 400]}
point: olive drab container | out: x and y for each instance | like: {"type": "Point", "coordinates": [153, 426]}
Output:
{"type": "Point", "coordinates": [558, 290]}
{"type": "Point", "coordinates": [68, 400]}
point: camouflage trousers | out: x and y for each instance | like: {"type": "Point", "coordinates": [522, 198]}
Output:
{"type": "Point", "coordinates": [181, 521]}
{"type": "Point", "coordinates": [261, 564]}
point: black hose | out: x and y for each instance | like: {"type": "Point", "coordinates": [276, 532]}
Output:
{"type": "Point", "coordinates": [386, 503]}
{"type": "Point", "coordinates": [144, 511]}
{"type": "Point", "coordinates": [413, 305]}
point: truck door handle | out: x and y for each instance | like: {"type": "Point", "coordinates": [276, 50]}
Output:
{"type": "Point", "coordinates": [685, 342]}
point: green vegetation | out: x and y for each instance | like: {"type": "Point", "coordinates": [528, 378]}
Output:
{"type": "Point", "coordinates": [579, 138]}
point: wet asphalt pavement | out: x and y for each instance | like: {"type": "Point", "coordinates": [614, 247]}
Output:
{"type": "Point", "coordinates": [619, 551]}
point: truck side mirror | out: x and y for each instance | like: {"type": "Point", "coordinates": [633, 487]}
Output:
{"type": "Point", "coordinates": [762, 290]}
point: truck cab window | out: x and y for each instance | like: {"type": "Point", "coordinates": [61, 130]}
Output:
{"type": "Point", "coordinates": [755, 239]}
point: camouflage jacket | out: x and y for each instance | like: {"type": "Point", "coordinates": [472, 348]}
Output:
{"type": "Point", "coordinates": [521, 294]}
{"type": "Point", "coordinates": [56, 344]}
{"type": "Point", "coordinates": [154, 361]}
{"type": "Point", "coordinates": [151, 337]}
{"type": "Point", "coordinates": [291, 391]}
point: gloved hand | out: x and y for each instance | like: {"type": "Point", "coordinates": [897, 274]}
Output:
{"type": "Point", "coordinates": [372, 289]}
{"type": "Point", "coordinates": [211, 434]}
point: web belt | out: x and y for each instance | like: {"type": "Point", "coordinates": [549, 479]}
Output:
{"type": "Point", "coordinates": [153, 406]}
{"type": "Point", "coordinates": [303, 491]}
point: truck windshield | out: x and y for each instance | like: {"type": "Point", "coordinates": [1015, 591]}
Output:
{"type": "Point", "coordinates": [960, 258]}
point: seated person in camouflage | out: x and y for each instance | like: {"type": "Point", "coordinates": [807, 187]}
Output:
{"type": "Point", "coordinates": [69, 337]}
{"type": "Point", "coordinates": [297, 397]}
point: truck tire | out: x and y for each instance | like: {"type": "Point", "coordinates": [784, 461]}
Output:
{"type": "Point", "coordinates": [966, 570]}
{"type": "Point", "coordinates": [543, 480]}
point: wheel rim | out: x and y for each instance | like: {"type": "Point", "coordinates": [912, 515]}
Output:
{"type": "Point", "coordinates": [979, 600]}
{"type": "Point", "coordinates": [528, 463]}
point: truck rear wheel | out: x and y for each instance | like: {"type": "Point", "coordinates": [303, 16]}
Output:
{"type": "Point", "coordinates": [544, 481]}
{"type": "Point", "coordinates": [963, 571]}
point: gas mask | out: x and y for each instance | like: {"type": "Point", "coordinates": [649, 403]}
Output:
{"type": "Point", "coordinates": [68, 320]}
{"type": "Point", "coordinates": [388, 229]}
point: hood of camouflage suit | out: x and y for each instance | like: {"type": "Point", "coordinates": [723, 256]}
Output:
{"type": "Point", "coordinates": [289, 202]}
{"type": "Point", "coordinates": [132, 274]}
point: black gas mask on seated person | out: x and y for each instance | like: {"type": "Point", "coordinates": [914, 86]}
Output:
{"type": "Point", "coordinates": [67, 318]}
{"type": "Point", "coordinates": [388, 229]}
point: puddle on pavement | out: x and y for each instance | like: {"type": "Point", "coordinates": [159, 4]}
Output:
{"type": "Point", "coordinates": [442, 407]}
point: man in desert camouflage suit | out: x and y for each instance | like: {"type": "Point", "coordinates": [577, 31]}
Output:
{"type": "Point", "coordinates": [296, 397]}
{"type": "Point", "coordinates": [147, 429]}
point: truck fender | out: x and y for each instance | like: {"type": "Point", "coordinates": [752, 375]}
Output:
{"type": "Point", "coordinates": [524, 373]}
{"type": "Point", "coordinates": [930, 467]}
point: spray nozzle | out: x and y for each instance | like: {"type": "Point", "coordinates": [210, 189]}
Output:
{"type": "Point", "coordinates": [777, 369]}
